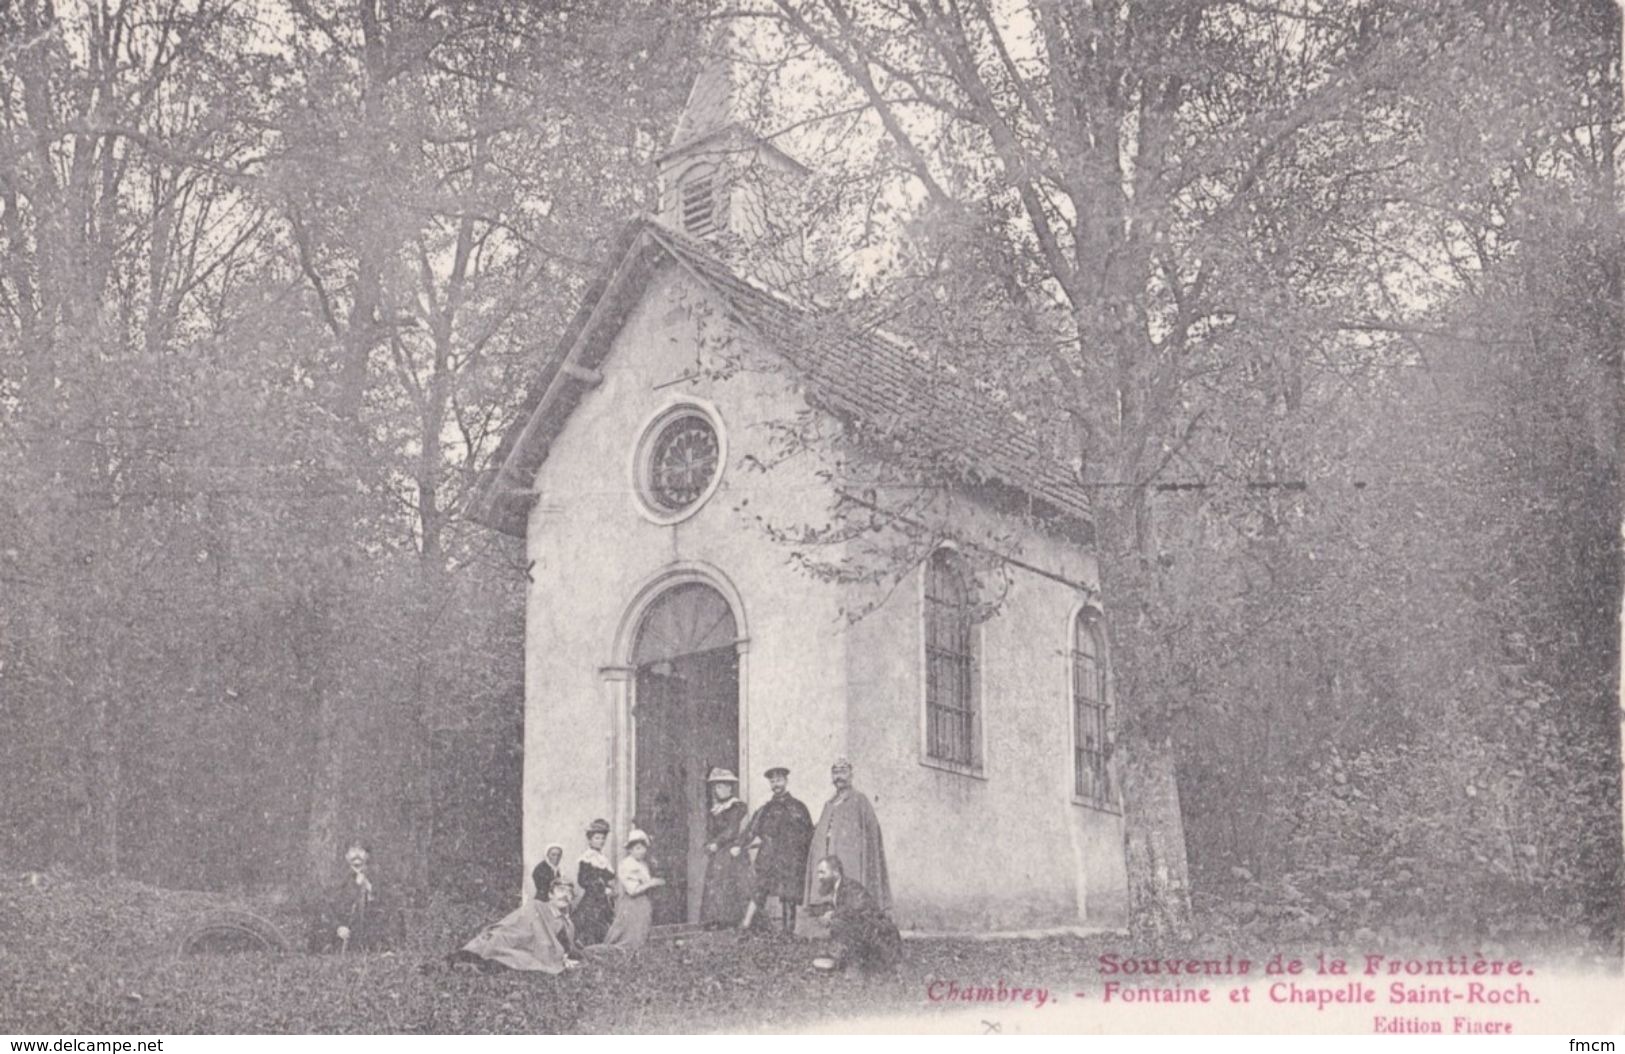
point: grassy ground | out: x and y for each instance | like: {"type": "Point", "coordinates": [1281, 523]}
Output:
{"type": "Point", "coordinates": [87, 957]}
{"type": "Point", "coordinates": [78, 957]}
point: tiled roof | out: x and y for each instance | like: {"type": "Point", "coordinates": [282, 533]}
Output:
{"type": "Point", "coordinates": [857, 374]}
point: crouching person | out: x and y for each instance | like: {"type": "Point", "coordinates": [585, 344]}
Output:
{"type": "Point", "coordinates": [357, 914]}
{"type": "Point", "coordinates": [864, 935]}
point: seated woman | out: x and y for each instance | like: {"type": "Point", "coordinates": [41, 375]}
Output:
{"type": "Point", "coordinates": [537, 937]}
{"type": "Point", "coordinates": [547, 871]}
{"type": "Point", "coordinates": [634, 912]}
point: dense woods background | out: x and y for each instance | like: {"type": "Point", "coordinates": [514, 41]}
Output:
{"type": "Point", "coordinates": [275, 277]}
{"type": "Point", "coordinates": [1324, 299]}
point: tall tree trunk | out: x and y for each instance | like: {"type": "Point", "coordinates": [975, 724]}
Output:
{"type": "Point", "coordinates": [326, 749]}
{"type": "Point", "coordinates": [1153, 827]}
{"type": "Point", "coordinates": [359, 335]}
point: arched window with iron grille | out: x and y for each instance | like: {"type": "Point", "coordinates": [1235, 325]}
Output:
{"type": "Point", "coordinates": [1091, 750]}
{"type": "Point", "coordinates": [952, 668]}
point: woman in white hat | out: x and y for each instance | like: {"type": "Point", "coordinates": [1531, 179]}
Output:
{"type": "Point", "coordinates": [727, 875]}
{"type": "Point", "coordinates": [634, 911]}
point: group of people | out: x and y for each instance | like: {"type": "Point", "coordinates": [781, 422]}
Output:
{"type": "Point", "coordinates": [835, 867]}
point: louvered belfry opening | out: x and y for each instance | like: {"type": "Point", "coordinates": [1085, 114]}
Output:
{"type": "Point", "coordinates": [699, 202]}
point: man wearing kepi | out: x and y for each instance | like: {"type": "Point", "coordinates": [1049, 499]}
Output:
{"type": "Point", "coordinates": [848, 829]}
{"type": "Point", "coordinates": [781, 831]}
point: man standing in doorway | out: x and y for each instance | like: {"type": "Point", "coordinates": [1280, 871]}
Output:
{"type": "Point", "coordinates": [781, 830]}
{"type": "Point", "coordinates": [848, 829]}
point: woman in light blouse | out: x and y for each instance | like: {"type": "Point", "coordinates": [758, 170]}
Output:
{"type": "Point", "coordinates": [634, 911]}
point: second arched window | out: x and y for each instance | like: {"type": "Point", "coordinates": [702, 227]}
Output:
{"type": "Point", "coordinates": [1090, 739]}
{"type": "Point", "coordinates": [952, 696]}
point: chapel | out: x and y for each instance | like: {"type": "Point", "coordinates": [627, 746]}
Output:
{"type": "Point", "coordinates": [682, 613]}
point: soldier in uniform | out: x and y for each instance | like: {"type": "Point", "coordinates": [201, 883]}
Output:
{"type": "Point", "coordinates": [780, 832]}
{"type": "Point", "coordinates": [849, 829]}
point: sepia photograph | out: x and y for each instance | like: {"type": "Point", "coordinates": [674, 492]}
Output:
{"type": "Point", "coordinates": [798, 516]}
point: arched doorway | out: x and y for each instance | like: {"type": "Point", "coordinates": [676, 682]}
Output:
{"type": "Point", "coordinates": [686, 719]}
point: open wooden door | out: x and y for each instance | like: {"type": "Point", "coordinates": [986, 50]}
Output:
{"type": "Point", "coordinates": [686, 718]}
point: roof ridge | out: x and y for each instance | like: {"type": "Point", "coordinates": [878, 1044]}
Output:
{"type": "Point", "coordinates": [856, 369]}
{"type": "Point", "coordinates": [1004, 427]}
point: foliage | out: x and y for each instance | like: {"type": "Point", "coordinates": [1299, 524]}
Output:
{"type": "Point", "coordinates": [1322, 299]}
{"type": "Point", "coordinates": [271, 290]}
{"type": "Point", "coordinates": [1323, 302]}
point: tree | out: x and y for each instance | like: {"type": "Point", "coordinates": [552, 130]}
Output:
{"type": "Point", "coordinates": [270, 290]}
{"type": "Point", "coordinates": [124, 233]}
{"type": "Point", "coordinates": [446, 170]}
{"type": "Point", "coordinates": [1184, 240]}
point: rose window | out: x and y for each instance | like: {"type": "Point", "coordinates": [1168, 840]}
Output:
{"type": "Point", "coordinates": [683, 462]}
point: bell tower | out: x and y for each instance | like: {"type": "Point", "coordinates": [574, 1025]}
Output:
{"type": "Point", "coordinates": [722, 182]}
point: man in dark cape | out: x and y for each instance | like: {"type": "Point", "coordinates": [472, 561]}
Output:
{"type": "Point", "coordinates": [848, 829]}
{"type": "Point", "coordinates": [864, 934]}
{"type": "Point", "coordinates": [782, 829]}
{"type": "Point", "coordinates": [356, 915]}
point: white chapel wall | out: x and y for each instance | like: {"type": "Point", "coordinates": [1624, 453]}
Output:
{"type": "Point", "coordinates": [593, 549]}
{"type": "Point", "coordinates": [1008, 848]}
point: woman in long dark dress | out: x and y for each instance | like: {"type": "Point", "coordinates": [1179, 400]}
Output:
{"type": "Point", "coordinates": [595, 877]}
{"type": "Point", "coordinates": [727, 876]}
